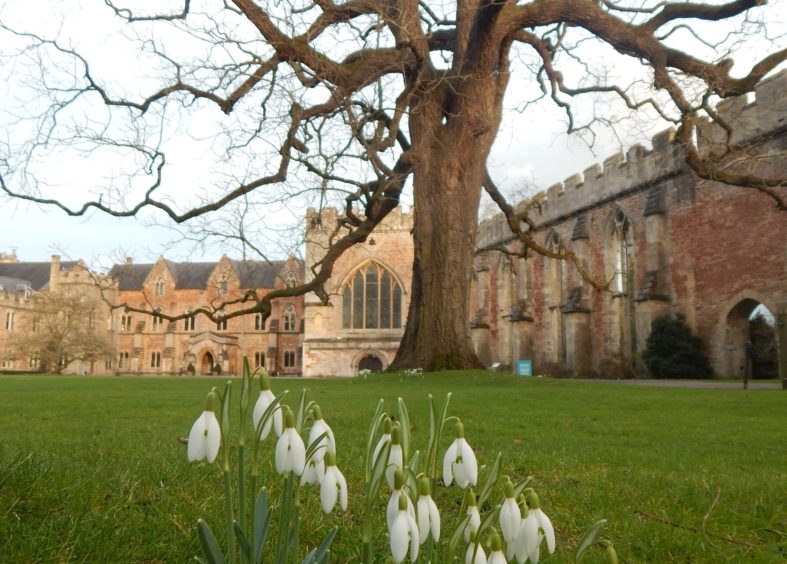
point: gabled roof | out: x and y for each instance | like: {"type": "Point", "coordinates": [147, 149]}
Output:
{"type": "Point", "coordinates": [195, 275]}
{"type": "Point", "coordinates": [34, 273]}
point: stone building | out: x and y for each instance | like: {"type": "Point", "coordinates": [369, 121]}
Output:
{"type": "Point", "coordinates": [147, 344]}
{"type": "Point", "coordinates": [665, 241]}
{"type": "Point", "coordinates": [21, 283]}
{"type": "Point", "coordinates": [369, 295]}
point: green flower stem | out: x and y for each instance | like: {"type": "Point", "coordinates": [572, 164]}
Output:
{"type": "Point", "coordinates": [228, 515]}
{"type": "Point", "coordinates": [242, 495]}
{"type": "Point", "coordinates": [286, 517]}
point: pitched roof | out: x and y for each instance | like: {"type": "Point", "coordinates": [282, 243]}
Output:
{"type": "Point", "coordinates": [195, 275]}
{"type": "Point", "coordinates": [34, 273]}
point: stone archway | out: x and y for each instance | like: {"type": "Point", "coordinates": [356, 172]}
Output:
{"type": "Point", "coordinates": [738, 336]}
{"type": "Point", "coordinates": [207, 362]}
{"type": "Point", "coordinates": [370, 362]}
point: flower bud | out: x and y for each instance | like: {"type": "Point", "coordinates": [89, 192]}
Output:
{"type": "Point", "coordinates": [387, 426]}
{"type": "Point", "coordinates": [265, 382]}
{"type": "Point", "coordinates": [459, 430]}
{"type": "Point", "coordinates": [610, 555]}
{"type": "Point", "coordinates": [471, 501]}
{"type": "Point", "coordinates": [330, 458]}
{"type": "Point", "coordinates": [213, 401]}
{"type": "Point", "coordinates": [508, 489]}
{"type": "Point", "coordinates": [532, 500]}
{"type": "Point", "coordinates": [424, 486]}
{"type": "Point", "coordinates": [396, 436]}
{"type": "Point", "coordinates": [495, 543]}
{"type": "Point", "coordinates": [317, 412]}
{"type": "Point", "coordinates": [398, 479]}
{"type": "Point", "coordinates": [289, 419]}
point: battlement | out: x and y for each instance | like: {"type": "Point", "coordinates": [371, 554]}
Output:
{"type": "Point", "coordinates": [640, 166]}
{"type": "Point", "coordinates": [396, 220]}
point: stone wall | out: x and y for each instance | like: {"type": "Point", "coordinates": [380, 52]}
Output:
{"type": "Point", "coordinates": [665, 242]}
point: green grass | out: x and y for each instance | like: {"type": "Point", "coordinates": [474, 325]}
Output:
{"type": "Point", "coordinates": [91, 469]}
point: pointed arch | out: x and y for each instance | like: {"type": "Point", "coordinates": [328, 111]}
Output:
{"type": "Point", "coordinates": [371, 297]}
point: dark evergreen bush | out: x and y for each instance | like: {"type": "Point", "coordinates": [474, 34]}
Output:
{"type": "Point", "coordinates": [673, 351]}
{"type": "Point", "coordinates": [764, 355]}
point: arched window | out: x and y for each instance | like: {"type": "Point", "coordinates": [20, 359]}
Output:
{"type": "Point", "coordinates": [221, 324]}
{"type": "Point", "coordinates": [372, 299]}
{"type": "Point", "coordinates": [259, 322]}
{"type": "Point", "coordinates": [224, 285]}
{"type": "Point", "coordinates": [157, 319]}
{"type": "Point", "coordinates": [619, 253]}
{"type": "Point", "coordinates": [289, 318]}
{"type": "Point", "coordinates": [190, 322]}
{"type": "Point", "coordinates": [159, 286]}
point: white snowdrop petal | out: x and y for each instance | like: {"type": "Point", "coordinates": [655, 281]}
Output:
{"type": "Point", "coordinates": [342, 490]}
{"type": "Point", "coordinates": [328, 489]}
{"type": "Point", "coordinates": [400, 537]}
{"type": "Point", "coordinates": [448, 464]}
{"type": "Point", "coordinates": [510, 520]}
{"type": "Point", "coordinates": [263, 401]}
{"type": "Point", "coordinates": [473, 523]}
{"type": "Point", "coordinates": [497, 557]}
{"type": "Point", "coordinates": [475, 554]}
{"type": "Point", "coordinates": [415, 541]}
{"type": "Point", "coordinates": [394, 463]}
{"type": "Point", "coordinates": [196, 447]}
{"type": "Point", "coordinates": [213, 437]}
{"type": "Point", "coordinates": [422, 511]}
{"type": "Point", "coordinates": [546, 525]}
{"type": "Point", "coordinates": [434, 519]}
{"type": "Point", "coordinates": [282, 454]}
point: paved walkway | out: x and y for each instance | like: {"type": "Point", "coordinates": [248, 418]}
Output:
{"type": "Point", "coordinates": [710, 384]}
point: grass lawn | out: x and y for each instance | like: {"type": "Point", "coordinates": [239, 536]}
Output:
{"type": "Point", "coordinates": [91, 469]}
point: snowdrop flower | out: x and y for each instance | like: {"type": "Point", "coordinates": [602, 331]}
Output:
{"type": "Point", "coordinates": [313, 472]}
{"type": "Point", "coordinates": [290, 450]}
{"type": "Point", "coordinates": [510, 518]}
{"type": "Point", "coordinates": [496, 556]}
{"type": "Point", "coordinates": [527, 541]}
{"type": "Point", "coordinates": [318, 428]}
{"type": "Point", "coordinates": [428, 515]}
{"type": "Point", "coordinates": [395, 458]}
{"type": "Point", "coordinates": [404, 534]}
{"type": "Point", "coordinates": [205, 435]}
{"type": "Point", "coordinates": [460, 461]}
{"type": "Point", "coordinates": [545, 529]}
{"type": "Point", "coordinates": [263, 401]}
{"type": "Point", "coordinates": [475, 517]}
{"type": "Point", "coordinates": [333, 485]}
{"type": "Point", "coordinates": [385, 438]}
{"type": "Point", "coordinates": [475, 552]}
{"type": "Point", "coordinates": [392, 509]}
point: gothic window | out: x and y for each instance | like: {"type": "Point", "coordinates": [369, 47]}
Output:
{"type": "Point", "coordinates": [555, 272]}
{"type": "Point", "coordinates": [36, 324]}
{"type": "Point", "coordinates": [372, 299]}
{"type": "Point", "coordinates": [290, 280]}
{"type": "Point", "coordinates": [619, 253]}
{"type": "Point", "coordinates": [9, 321]}
{"type": "Point", "coordinates": [157, 319]}
{"type": "Point", "coordinates": [35, 360]}
{"type": "Point", "coordinates": [91, 319]}
{"type": "Point", "coordinates": [125, 323]}
{"type": "Point", "coordinates": [190, 322]}
{"type": "Point", "coordinates": [123, 360]}
{"type": "Point", "coordinates": [259, 322]}
{"type": "Point", "coordinates": [224, 285]}
{"type": "Point", "coordinates": [289, 318]}
{"type": "Point", "coordinates": [155, 360]}
{"type": "Point", "coordinates": [289, 359]}
{"type": "Point", "coordinates": [259, 360]}
{"type": "Point", "coordinates": [159, 286]}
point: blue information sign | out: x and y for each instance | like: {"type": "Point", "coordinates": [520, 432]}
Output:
{"type": "Point", "coordinates": [524, 367]}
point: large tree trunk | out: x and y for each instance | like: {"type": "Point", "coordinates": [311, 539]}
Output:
{"type": "Point", "coordinates": [452, 129]}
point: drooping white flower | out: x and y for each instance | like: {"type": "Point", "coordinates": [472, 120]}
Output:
{"type": "Point", "coordinates": [475, 552]}
{"type": "Point", "coordinates": [264, 400]}
{"type": "Point", "coordinates": [496, 555]}
{"type": "Point", "coordinates": [205, 434]}
{"type": "Point", "coordinates": [459, 462]}
{"type": "Point", "coordinates": [290, 450]}
{"type": "Point", "coordinates": [475, 517]}
{"type": "Point", "coordinates": [527, 541]}
{"type": "Point", "coordinates": [313, 472]}
{"type": "Point", "coordinates": [318, 428]}
{"type": "Point", "coordinates": [333, 485]}
{"type": "Point", "coordinates": [545, 529]}
{"type": "Point", "coordinates": [404, 534]}
{"type": "Point", "coordinates": [510, 518]}
{"type": "Point", "coordinates": [392, 510]}
{"type": "Point", "coordinates": [395, 458]}
{"type": "Point", "coordinates": [428, 515]}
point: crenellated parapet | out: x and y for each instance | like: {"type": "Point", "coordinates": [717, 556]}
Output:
{"type": "Point", "coordinates": [640, 167]}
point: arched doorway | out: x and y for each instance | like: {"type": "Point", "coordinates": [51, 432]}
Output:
{"type": "Point", "coordinates": [371, 363]}
{"type": "Point", "coordinates": [750, 325]}
{"type": "Point", "coordinates": [207, 363]}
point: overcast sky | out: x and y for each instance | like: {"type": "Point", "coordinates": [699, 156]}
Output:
{"type": "Point", "coordinates": [531, 148]}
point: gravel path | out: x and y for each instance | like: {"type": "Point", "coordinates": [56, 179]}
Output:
{"type": "Point", "coordinates": [710, 384]}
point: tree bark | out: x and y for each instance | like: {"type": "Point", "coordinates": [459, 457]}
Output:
{"type": "Point", "coordinates": [452, 128]}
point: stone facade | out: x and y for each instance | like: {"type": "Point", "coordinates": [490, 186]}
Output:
{"type": "Point", "coordinates": [20, 281]}
{"type": "Point", "coordinates": [353, 331]}
{"type": "Point", "coordinates": [147, 345]}
{"type": "Point", "coordinates": [665, 241]}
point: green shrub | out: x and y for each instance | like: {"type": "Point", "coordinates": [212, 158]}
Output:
{"type": "Point", "coordinates": [673, 351]}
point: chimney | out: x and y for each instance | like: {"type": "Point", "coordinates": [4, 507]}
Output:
{"type": "Point", "coordinates": [129, 260]}
{"type": "Point", "coordinates": [54, 272]}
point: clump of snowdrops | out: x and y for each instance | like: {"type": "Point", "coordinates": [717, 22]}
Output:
{"type": "Point", "coordinates": [515, 529]}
